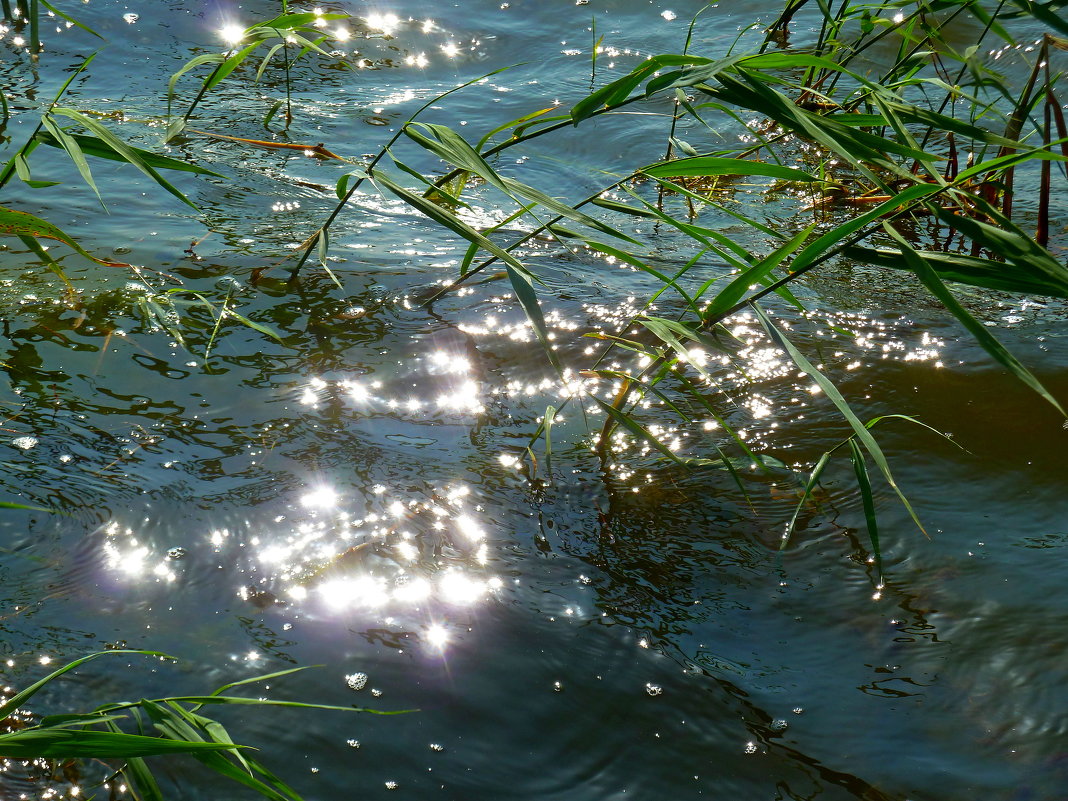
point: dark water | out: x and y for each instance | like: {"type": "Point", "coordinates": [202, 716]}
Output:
{"type": "Point", "coordinates": [348, 497]}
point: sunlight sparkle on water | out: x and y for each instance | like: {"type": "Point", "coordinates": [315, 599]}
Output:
{"type": "Point", "coordinates": [232, 33]}
{"type": "Point", "coordinates": [385, 23]}
{"type": "Point", "coordinates": [437, 636]}
{"type": "Point", "coordinates": [320, 498]}
{"type": "Point", "coordinates": [458, 588]}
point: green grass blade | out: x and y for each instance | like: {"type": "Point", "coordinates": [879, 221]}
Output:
{"type": "Point", "coordinates": [138, 774]}
{"type": "Point", "coordinates": [813, 480]}
{"type": "Point", "coordinates": [124, 150]}
{"type": "Point", "coordinates": [92, 146]}
{"type": "Point", "coordinates": [831, 391]}
{"type": "Point", "coordinates": [20, 698]}
{"type": "Point", "coordinates": [21, 223]}
{"type": "Point", "coordinates": [193, 63]}
{"type": "Point", "coordinates": [69, 19]}
{"type": "Point", "coordinates": [520, 277]}
{"type": "Point", "coordinates": [842, 232]}
{"type": "Point", "coordinates": [46, 258]}
{"type": "Point", "coordinates": [868, 501]}
{"type": "Point", "coordinates": [13, 505]}
{"type": "Point", "coordinates": [970, 270]}
{"type": "Point", "coordinates": [733, 292]}
{"type": "Point", "coordinates": [708, 166]}
{"type": "Point", "coordinates": [981, 333]}
{"type": "Point", "coordinates": [70, 744]}
{"type": "Point", "coordinates": [74, 150]}
{"type": "Point", "coordinates": [632, 425]}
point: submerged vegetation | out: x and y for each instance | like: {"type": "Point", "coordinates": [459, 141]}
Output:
{"type": "Point", "coordinates": [930, 162]}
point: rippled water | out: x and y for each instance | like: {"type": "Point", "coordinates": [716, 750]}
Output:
{"type": "Point", "coordinates": [355, 496]}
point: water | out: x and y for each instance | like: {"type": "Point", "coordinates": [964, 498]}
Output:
{"type": "Point", "coordinates": [353, 497]}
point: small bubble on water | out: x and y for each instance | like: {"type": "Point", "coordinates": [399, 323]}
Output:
{"type": "Point", "coordinates": [130, 18]}
{"type": "Point", "coordinates": [558, 687]}
{"type": "Point", "coordinates": [654, 689]}
{"type": "Point", "coordinates": [798, 710]}
{"type": "Point", "coordinates": [176, 553]}
{"type": "Point", "coordinates": [314, 770]}
{"type": "Point", "coordinates": [356, 681]}
{"type": "Point", "coordinates": [287, 626]}
{"type": "Point", "coordinates": [66, 458]}
{"type": "Point", "coordinates": [437, 747]}
{"type": "Point", "coordinates": [750, 748]}
{"type": "Point", "coordinates": [352, 743]}
{"type": "Point", "coordinates": [24, 443]}
{"type": "Point", "coordinates": [376, 693]}
{"type": "Point", "coordinates": [778, 724]}
{"type": "Point", "coordinates": [391, 785]}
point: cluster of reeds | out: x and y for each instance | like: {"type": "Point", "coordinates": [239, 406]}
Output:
{"type": "Point", "coordinates": [163, 726]}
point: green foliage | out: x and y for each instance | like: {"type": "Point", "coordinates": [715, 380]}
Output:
{"type": "Point", "coordinates": [909, 168]}
{"type": "Point", "coordinates": [180, 729]}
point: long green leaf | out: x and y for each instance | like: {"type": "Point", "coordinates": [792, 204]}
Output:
{"type": "Point", "coordinates": [520, 277]}
{"type": "Point", "coordinates": [867, 499]}
{"type": "Point", "coordinates": [128, 153]}
{"type": "Point", "coordinates": [21, 223]}
{"type": "Point", "coordinates": [981, 333]}
{"type": "Point", "coordinates": [92, 146]}
{"type": "Point", "coordinates": [733, 292]}
{"type": "Point", "coordinates": [706, 166]}
{"type": "Point", "coordinates": [813, 480]}
{"type": "Point", "coordinates": [20, 698]}
{"type": "Point", "coordinates": [831, 391]}
{"type": "Point", "coordinates": [632, 425]}
{"type": "Point", "coordinates": [969, 270]}
{"type": "Point", "coordinates": [74, 150]}
{"type": "Point", "coordinates": [69, 744]}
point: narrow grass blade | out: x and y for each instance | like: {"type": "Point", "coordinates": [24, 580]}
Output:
{"type": "Point", "coordinates": [635, 428]}
{"type": "Point", "coordinates": [91, 146]}
{"type": "Point", "coordinates": [969, 270]}
{"type": "Point", "coordinates": [138, 774]}
{"type": "Point", "coordinates": [174, 726]}
{"type": "Point", "coordinates": [841, 233]}
{"type": "Point", "coordinates": [831, 391]}
{"type": "Point", "coordinates": [74, 150]}
{"type": "Point", "coordinates": [707, 166]}
{"type": "Point", "coordinates": [21, 223]}
{"type": "Point", "coordinates": [121, 148]}
{"type": "Point", "coordinates": [20, 698]}
{"type": "Point", "coordinates": [70, 744]}
{"type": "Point", "coordinates": [733, 292]}
{"type": "Point", "coordinates": [520, 277]}
{"type": "Point", "coordinates": [70, 19]}
{"type": "Point", "coordinates": [813, 480]}
{"type": "Point", "coordinates": [13, 505]}
{"type": "Point", "coordinates": [981, 333]}
{"type": "Point", "coordinates": [868, 501]}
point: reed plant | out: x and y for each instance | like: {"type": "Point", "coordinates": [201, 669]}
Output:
{"type": "Point", "coordinates": [162, 727]}
{"type": "Point", "coordinates": [913, 165]}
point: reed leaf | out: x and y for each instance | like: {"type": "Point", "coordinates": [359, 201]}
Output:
{"type": "Point", "coordinates": [127, 153]}
{"type": "Point", "coordinates": [981, 333]}
{"type": "Point", "coordinates": [867, 499]}
{"type": "Point", "coordinates": [22, 223]}
{"type": "Point", "coordinates": [831, 391]}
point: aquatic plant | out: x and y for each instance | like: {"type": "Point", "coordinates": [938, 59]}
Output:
{"type": "Point", "coordinates": [913, 169]}
{"type": "Point", "coordinates": [178, 726]}
{"type": "Point", "coordinates": [913, 166]}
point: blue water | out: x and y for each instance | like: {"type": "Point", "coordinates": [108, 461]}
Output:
{"type": "Point", "coordinates": [349, 497]}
